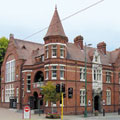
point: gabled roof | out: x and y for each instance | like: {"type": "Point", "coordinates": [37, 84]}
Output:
{"type": "Point", "coordinates": [25, 50]}
{"type": "Point", "coordinates": [29, 51]}
{"type": "Point", "coordinates": [55, 27]}
{"type": "Point", "coordinates": [75, 53]}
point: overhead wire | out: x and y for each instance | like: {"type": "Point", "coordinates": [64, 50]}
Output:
{"type": "Point", "coordinates": [84, 9]}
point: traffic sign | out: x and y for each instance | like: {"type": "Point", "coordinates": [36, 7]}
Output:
{"type": "Point", "coordinates": [26, 112]}
{"type": "Point", "coordinates": [40, 96]}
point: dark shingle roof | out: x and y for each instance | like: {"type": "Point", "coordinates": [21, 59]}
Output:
{"type": "Point", "coordinates": [25, 50]}
{"type": "Point", "coordinates": [29, 50]}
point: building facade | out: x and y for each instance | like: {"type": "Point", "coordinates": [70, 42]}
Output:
{"type": "Point", "coordinates": [27, 66]}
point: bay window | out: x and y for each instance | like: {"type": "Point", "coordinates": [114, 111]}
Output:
{"type": "Point", "coordinates": [54, 51]}
{"type": "Point", "coordinates": [54, 72]}
{"type": "Point", "coordinates": [62, 70]}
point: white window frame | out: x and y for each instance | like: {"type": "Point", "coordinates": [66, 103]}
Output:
{"type": "Point", "coordinates": [108, 97]}
{"type": "Point", "coordinates": [9, 92]}
{"type": "Point", "coordinates": [54, 71]}
{"type": "Point", "coordinates": [97, 74]}
{"type": "Point", "coordinates": [28, 84]}
{"type": "Point", "coordinates": [54, 51]}
{"type": "Point", "coordinates": [108, 76]}
{"type": "Point", "coordinates": [82, 97]}
{"type": "Point", "coordinates": [62, 70]}
{"type": "Point", "coordinates": [62, 51]}
{"type": "Point", "coordinates": [10, 71]}
{"type": "Point", "coordinates": [46, 73]}
{"type": "Point", "coordinates": [82, 74]}
{"type": "Point", "coordinates": [47, 52]}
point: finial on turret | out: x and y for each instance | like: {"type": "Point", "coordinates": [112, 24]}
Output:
{"type": "Point", "coordinates": [56, 7]}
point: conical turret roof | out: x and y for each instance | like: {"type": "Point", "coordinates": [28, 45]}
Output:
{"type": "Point", "coordinates": [55, 27]}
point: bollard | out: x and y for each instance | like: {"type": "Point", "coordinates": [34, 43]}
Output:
{"type": "Point", "coordinates": [103, 112]}
{"type": "Point", "coordinates": [118, 111]}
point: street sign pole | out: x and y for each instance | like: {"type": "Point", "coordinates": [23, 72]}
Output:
{"type": "Point", "coordinates": [40, 96]}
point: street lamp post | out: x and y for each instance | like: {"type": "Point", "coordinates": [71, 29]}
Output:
{"type": "Point", "coordinates": [85, 113]}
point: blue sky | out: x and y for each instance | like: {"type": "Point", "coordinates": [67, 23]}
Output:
{"type": "Point", "coordinates": [97, 24]}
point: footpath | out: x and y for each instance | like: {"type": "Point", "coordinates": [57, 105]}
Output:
{"type": "Point", "coordinates": [10, 114]}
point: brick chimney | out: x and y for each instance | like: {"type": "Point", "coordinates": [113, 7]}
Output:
{"type": "Point", "coordinates": [78, 41]}
{"type": "Point", "coordinates": [102, 47]}
{"type": "Point", "coordinates": [11, 37]}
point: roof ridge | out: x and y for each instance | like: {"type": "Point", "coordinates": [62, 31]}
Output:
{"type": "Point", "coordinates": [28, 41]}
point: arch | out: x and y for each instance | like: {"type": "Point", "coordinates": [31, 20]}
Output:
{"type": "Point", "coordinates": [39, 77]}
{"type": "Point", "coordinates": [10, 57]}
{"type": "Point", "coordinates": [96, 102]}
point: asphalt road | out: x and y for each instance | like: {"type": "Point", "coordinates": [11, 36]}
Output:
{"type": "Point", "coordinates": [9, 114]}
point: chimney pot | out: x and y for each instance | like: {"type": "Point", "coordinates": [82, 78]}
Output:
{"type": "Point", "coordinates": [102, 47]}
{"type": "Point", "coordinates": [78, 41]}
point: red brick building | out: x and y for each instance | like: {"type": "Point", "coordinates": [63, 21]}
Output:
{"type": "Point", "coordinates": [28, 65]}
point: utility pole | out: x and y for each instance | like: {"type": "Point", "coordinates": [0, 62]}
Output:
{"type": "Point", "coordinates": [85, 113]}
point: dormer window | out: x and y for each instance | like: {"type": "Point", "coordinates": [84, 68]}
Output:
{"type": "Point", "coordinates": [23, 47]}
{"type": "Point", "coordinates": [62, 51]}
{"type": "Point", "coordinates": [96, 58]}
{"type": "Point", "coordinates": [54, 51]}
{"type": "Point", "coordinates": [42, 58]}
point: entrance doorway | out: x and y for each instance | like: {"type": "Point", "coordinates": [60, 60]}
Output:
{"type": "Point", "coordinates": [35, 100]}
{"type": "Point", "coordinates": [96, 103]}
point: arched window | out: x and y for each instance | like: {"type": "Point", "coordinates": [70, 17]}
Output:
{"type": "Point", "coordinates": [10, 71]}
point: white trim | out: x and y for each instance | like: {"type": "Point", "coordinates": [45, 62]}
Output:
{"type": "Point", "coordinates": [54, 78]}
{"type": "Point", "coordinates": [55, 44]}
{"type": "Point", "coordinates": [54, 56]}
{"type": "Point", "coordinates": [62, 57]}
{"type": "Point", "coordinates": [26, 71]}
{"type": "Point", "coordinates": [54, 64]}
{"type": "Point", "coordinates": [47, 65]}
{"type": "Point", "coordinates": [62, 65]}
{"type": "Point", "coordinates": [10, 61]}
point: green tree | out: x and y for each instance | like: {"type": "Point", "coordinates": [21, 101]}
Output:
{"type": "Point", "coordinates": [3, 47]}
{"type": "Point", "coordinates": [50, 94]}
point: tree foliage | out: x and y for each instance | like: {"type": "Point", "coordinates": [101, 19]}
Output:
{"type": "Point", "coordinates": [3, 47]}
{"type": "Point", "coordinates": [49, 92]}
